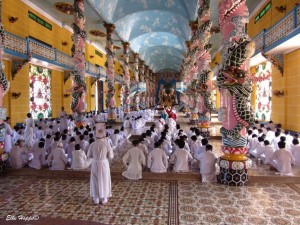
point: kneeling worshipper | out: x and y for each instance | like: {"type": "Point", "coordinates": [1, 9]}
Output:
{"type": "Point", "coordinates": [208, 165]}
{"type": "Point", "coordinates": [100, 152]}
{"type": "Point", "coordinates": [57, 159]}
{"type": "Point", "coordinates": [39, 156]}
{"type": "Point", "coordinates": [80, 160]}
{"type": "Point", "coordinates": [282, 160]}
{"type": "Point", "coordinates": [295, 149]}
{"type": "Point", "coordinates": [160, 123]}
{"type": "Point", "coordinates": [134, 159]}
{"type": "Point", "coordinates": [181, 158]}
{"type": "Point", "coordinates": [18, 158]}
{"type": "Point", "coordinates": [266, 152]}
{"type": "Point", "coordinates": [157, 159]}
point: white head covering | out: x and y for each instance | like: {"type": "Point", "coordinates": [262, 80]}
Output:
{"type": "Point", "coordinates": [100, 130]}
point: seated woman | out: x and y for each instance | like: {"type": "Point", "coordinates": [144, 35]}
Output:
{"type": "Point", "coordinates": [80, 160]}
{"type": "Point", "coordinates": [157, 159]}
{"type": "Point", "coordinates": [18, 155]}
{"type": "Point", "coordinates": [39, 156]}
{"type": "Point", "coordinates": [57, 159]}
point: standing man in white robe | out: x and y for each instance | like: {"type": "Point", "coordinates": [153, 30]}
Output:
{"type": "Point", "coordinates": [29, 126]}
{"type": "Point", "coordinates": [100, 151]}
{"type": "Point", "coordinates": [134, 159]}
{"type": "Point", "coordinates": [157, 159]}
{"type": "Point", "coordinates": [295, 149]}
{"type": "Point", "coordinates": [8, 136]}
{"type": "Point", "coordinates": [63, 119]}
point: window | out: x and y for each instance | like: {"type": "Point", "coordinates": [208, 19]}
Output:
{"type": "Point", "coordinates": [39, 20]}
{"type": "Point", "coordinates": [39, 92]}
{"type": "Point", "coordinates": [263, 12]}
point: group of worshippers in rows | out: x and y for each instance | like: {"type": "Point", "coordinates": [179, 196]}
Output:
{"type": "Point", "coordinates": [137, 119]}
{"type": "Point", "coordinates": [270, 145]}
{"type": "Point", "coordinates": [170, 151]}
{"type": "Point", "coordinates": [57, 148]}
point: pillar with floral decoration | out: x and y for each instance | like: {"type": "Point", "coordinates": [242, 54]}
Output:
{"type": "Point", "coordinates": [136, 97]}
{"type": "Point", "coordinates": [78, 104]}
{"type": "Point", "coordinates": [110, 74]}
{"type": "Point", "coordinates": [126, 77]}
{"type": "Point", "coordinates": [235, 88]}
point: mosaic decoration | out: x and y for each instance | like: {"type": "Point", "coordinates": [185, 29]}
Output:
{"type": "Point", "coordinates": [40, 92]}
{"type": "Point", "coordinates": [110, 63]}
{"type": "Point", "coordinates": [275, 60]}
{"type": "Point", "coordinates": [233, 81]}
{"type": "Point", "coordinates": [78, 103]}
{"type": "Point", "coordinates": [126, 76]}
{"type": "Point", "coordinates": [64, 8]}
{"type": "Point", "coordinates": [263, 104]}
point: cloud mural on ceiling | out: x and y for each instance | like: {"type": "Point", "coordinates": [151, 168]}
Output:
{"type": "Point", "coordinates": [156, 29]}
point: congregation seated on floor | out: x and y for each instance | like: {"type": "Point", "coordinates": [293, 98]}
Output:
{"type": "Point", "coordinates": [161, 147]}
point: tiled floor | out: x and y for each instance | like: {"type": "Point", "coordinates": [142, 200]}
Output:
{"type": "Point", "coordinates": [67, 201]}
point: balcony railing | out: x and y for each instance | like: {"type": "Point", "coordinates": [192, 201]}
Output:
{"type": "Point", "coordinates": [22, 47]}
{"type": "Point", "coordinates": [285, 26]}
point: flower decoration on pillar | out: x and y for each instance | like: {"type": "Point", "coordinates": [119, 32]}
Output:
{"type": "Point", "coordinates": [110, 102]}
{"type": "Point", "coordinates": [126, 76]}
{"type": "Point", "coordinates": [79, 89]}
{"type": "Point", "coordinates": [136, 98]}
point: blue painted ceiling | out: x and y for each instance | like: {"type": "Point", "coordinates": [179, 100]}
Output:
{"type": "Point", "coordinates": [156, 29]}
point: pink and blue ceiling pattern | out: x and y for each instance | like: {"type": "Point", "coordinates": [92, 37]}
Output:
{"type": "Point", "coordinates": [156, 29]}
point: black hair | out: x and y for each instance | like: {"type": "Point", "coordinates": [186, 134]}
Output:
{"type": "Point", "coordinates": [295, 141]}
{"type": "Point", "coordinates": [281, 144]}
{"type": "Point", "coordinates": [204, 141]}
{"type": "Point", "coordinates": [266, 142]}
{"type": "Point", "coordinates": [209, 147]}
{"type": "Point", "coordinates": [77, 147]}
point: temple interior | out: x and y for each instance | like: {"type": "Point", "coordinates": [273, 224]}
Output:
{"type": "Point", "coordinates": [219, 77]}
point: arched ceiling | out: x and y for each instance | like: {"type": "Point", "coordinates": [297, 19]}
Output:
{"type": "Point", "coordinates": [156, 29]}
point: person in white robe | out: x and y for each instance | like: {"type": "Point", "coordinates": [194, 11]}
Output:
{"type": "Point", "coordinates": [160, 123]}
{"type": "Point", "coordinates": [157, 159]}
{"type": "Point", "coordinates": [57, 159]}
{"type": "Point", "coordinates": [84, 144]}
{"type": "Point", "coordinates": [100, 181]}
{"type": "Point", "coordinates": [134, 160]}
{"type": "Point", "coordinates": [39, 133]}
{"type": "Point", "coordinates": [8, 136]}
{"type": "Point", "coordinates": [80, 160]}
{"type": "Point", "coordinates": [29, 126]}
{"type": "Point", "coordinates": [70, 148]}
{"type": "Point", "coordinates": [17, 155]}
{"type": "Point", "coordinates": [295, 149]}
{"type": "Point", "coordinates": [201, 149]}
{"type": "Point", "coordinates": [266, 152]}
{"type": "Point", "coordinates": [208, 165]}
{"type": "Point", "coordinates": [195, 145]}
{"type": "Point", "coordinates": [39, 156]}
{"type": "Point", "coordinates": [257, 151]}
{"type": "Point", "coordinates": [282, 160]}
{"type": "Point", "coordinates": [181, 158]}
{"type": "Point", "coordinates": [115, 138]}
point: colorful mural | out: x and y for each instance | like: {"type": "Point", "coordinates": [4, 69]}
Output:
{"type": "Point", "coordinates": [40, 92]}
{"type": "Point", "coordinates": [263, 92]}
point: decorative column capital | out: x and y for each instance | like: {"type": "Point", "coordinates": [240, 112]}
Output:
{"type": "Point", "coordinates": [126, 45]}
{"type": "Point", "coordinates": [109, 28]}
{"type": "Point", "coordinates": [135, 55]}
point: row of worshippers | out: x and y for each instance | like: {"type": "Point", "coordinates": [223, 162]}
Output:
{"type": "Point", "coordinates": [138, 119]}
{"type": "Point", "coordinates": [61, 150]}
{"type": "Point", "coordinates": [278, 149]}
{"type": "Point", "coordinates": [168, 151]}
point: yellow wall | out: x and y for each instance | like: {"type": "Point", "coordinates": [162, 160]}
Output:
{"type": "Point", "coordinates": [17, 108]}
{"type": "Point", "coordinates": [67, 100]}
{"type": "Point", "coordinates": [57, 81]}
{"type": "Point", "coordinates": [271, 17]}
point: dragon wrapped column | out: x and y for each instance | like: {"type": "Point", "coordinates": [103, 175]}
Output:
{"type": "Point", "coordinates": [136, 97]}
{"type": "Point", "coordinates": [235, 88]}
{"type": "Point", "coordinates": [126, 76]}
{"type": "Point", "coordinates": [78, 104]}
{"type": "Point", "coordinates": [110, 74]}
